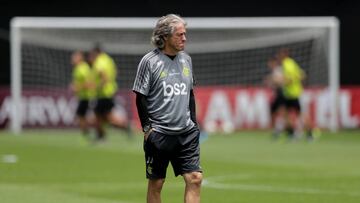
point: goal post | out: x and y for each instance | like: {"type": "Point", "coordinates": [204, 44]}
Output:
{"type": "Point", "coordinates": [226, 51]}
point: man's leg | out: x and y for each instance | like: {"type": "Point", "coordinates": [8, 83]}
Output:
{"type": "Point", "coordinates": [99, 127]}
{"type": "Point", "coordinates": [100, 119]}
{"type": "Point", "coordinates": [292, 119]}
{"type": "Point", "coordinates": [157, 161]}
{"type": "Point", "coordinates": [193, 186]}
{"type": "Point", "coordinates": [83, 125]}
{"type": "Point", "coordinates": [308, 125]}
{"type": "Point", "coordinates": [120, 122]}
{"type": "Point", "coordinates": [154, 190]}
{"type": "Point", "coordinates": [116, 120]}
{"type": "Point", "coordinates": [81, 112]}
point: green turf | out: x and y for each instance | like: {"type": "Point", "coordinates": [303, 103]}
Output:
{"type": "Point", "coordinates": [59, 166]}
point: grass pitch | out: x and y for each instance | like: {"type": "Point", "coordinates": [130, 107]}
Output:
{"type": "Point", "coordinates": [53, 166]}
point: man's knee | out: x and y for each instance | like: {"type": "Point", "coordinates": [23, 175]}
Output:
{"type": "Point", "coordinates": [156, 184]}
{"type": "Point", "coordinates": [193, 178]}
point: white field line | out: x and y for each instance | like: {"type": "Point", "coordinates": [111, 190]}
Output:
{"type": "Point", "coordinates": [9, 158]}
{"type": "Point", "coordinates": [217, 183]}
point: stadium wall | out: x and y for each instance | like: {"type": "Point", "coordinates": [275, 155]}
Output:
{"type": "Point", "coordinates": [219, 108]}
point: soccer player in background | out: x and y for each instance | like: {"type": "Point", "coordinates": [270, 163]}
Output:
{"type": "Point", "coordinates": [275, 80]}
{"type": "Point", "coordinates": [83, 87]}
{"type": "Point", "coordinates": [292, 90]}
{"type": "Point", "coordinates": [105, 72]}
{"type": "Point", "coordinates": [166, 107]}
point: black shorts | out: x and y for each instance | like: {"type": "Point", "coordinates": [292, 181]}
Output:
{"type": "Point", "coordinates": [104, 106]}
{"type": "Point", "coordinates": [293, 104]}
{"type": "Point", "coordinates": [183, 151]}
{"type": "Point", "coordinates": [277, 102]}
{"type": "Point", "coordinates": [82, 108]}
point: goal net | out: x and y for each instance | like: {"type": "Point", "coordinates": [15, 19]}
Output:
{"type": "Point", "coordinates": [225, 52]}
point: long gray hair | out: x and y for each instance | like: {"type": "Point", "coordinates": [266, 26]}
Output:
{"type": "Point", "coordinates": [165, 27]}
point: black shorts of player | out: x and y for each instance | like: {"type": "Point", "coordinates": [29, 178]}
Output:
{"type": "Point", "coordinates": [277, 102]}
{"type": "Point", "coordinates": [82, 108]}
{"type": "Point", "coordinates": [183, 151]}
{"type": "Point", "coordinates": [104, 106]}
{"type": "Point", "coordinates": [293, 104]}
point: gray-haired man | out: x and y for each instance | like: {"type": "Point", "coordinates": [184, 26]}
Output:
{"type": "Point", "coordinates": [166, 107]}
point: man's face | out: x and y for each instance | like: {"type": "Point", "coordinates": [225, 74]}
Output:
{"type": "Point", "coordinates": [76, 58]}
{"type": "Point", "coordinates": [91, 57]}
{"type": "Point", "coordinates": [272, 64]}
{"type": "Point", "coordinates": [176, 42]}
